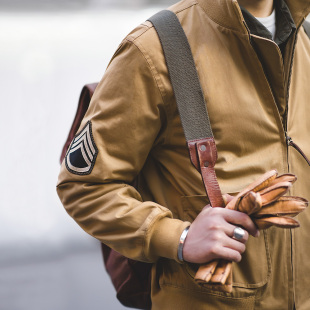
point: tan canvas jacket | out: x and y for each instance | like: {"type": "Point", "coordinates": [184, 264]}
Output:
{"type": "Point", "coordinates": [133, 127]}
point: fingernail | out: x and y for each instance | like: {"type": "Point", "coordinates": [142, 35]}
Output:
{"type": "Point", "coordinates": [257, 234]}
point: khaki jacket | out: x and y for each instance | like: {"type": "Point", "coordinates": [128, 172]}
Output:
{"type": "Point", "coordinates": [136, 129]}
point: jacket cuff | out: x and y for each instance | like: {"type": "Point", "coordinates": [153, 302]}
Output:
{"type": "Point", "coordinates": [166, 237]}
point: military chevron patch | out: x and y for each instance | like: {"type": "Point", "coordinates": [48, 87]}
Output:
{"type": "Point", "coordinates": [81, 156]}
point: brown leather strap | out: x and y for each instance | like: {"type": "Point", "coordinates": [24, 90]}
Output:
{"type": "Point", "coordinates": [203, 155]}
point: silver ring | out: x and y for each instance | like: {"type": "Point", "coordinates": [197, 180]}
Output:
{"type": "Point", "coordinates": [239, 233]}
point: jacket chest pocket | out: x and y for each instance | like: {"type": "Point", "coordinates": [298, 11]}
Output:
{"type": "Point", "coordinates": [255, 267]}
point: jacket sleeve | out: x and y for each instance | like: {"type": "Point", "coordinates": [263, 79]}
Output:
{"type": "Point", "coordinates": [127, 115]}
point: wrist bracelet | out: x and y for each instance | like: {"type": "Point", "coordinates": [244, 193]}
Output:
{"type": "Point", "coordinates": [181, 244]}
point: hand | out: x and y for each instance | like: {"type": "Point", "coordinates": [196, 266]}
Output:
{"type": "Point", "coordinates": [210, 236]}
{"type": "Point", "coordinates": [263, 201]}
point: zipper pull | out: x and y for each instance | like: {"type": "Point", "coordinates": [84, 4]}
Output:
{"type": "Point", "coordinates": [290, 142]}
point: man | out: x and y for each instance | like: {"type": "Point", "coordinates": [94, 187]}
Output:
{"type": "Point", "coordinates": [256, 87]}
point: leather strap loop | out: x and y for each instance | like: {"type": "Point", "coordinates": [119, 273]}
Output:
{"type": "Point", "coordinates": [203, 155]}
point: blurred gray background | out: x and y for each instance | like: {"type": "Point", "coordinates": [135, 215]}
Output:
{"type": "Point", "coordinates": [48, 50]}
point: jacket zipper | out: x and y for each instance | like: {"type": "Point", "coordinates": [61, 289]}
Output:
{"type": "Point", "coordinates": [289, 141]}
{"type": "Point", "coordinates": [267, 81]}
{"type": "Point", "coordinates": [285, 116]}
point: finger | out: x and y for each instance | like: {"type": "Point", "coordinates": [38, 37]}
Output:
{"type": "Point", "coordinates": [228, 253]}
{"type": "Point", "coordinates": [206, 207]}
{"type": "Point", "coordinates": [229, 230]}
{"type": "Point", "coordinates": [234, 245]}
{"type": "Point", "coordinates": [241, 219]}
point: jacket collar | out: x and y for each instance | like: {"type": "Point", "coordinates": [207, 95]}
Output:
{"type": "Point", "coordinates": [299, 10]}
{"type": "Point", "coordinates": [284, 21]}
{"type": "Point", "coordinates": [227, 13]}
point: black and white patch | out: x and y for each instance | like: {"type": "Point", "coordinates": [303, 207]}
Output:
{"type": "Point", "coordinates": [81, 157]}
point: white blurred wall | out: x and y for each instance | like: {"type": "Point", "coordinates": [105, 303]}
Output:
{"type": "Point", "coordinates": [46, 260]}
{"type": "Point", "coordinates": [45, 60]}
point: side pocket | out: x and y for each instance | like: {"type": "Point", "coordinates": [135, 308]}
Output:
{"type": "Point", "coordinates": [255, 267]}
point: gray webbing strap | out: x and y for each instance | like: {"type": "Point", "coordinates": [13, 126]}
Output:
{"type": "Point", "coordinates": [183, 76]}
{"type": "Point", "coordinates": [306, 26]}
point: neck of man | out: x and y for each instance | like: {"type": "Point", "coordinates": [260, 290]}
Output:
{"type": "Point", "coordinates": [258, 8]}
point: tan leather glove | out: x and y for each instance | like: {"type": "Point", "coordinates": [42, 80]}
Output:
{"type": "Point", "coordinates": [264, 202]}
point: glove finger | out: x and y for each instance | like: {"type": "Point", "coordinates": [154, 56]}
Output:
{"type": "Point", "coordinates": [256, 186]}
{"type": "Point", "coordinates": [229, 279]}
{"type": "Point", "coordinates": [205, 272]}
{"type": "Point", "coordinates": [283, 222]}
{"type": "Point", "coordinates": [263, 181]}
{"type": "Point", "coordinates": [250, 203]}
{"type": "Point", "coordinates": [295, 198]}
{"type": "Point", "coordinates": [287, 177]}
{"type": "Point", "coordinates": [275, 191]}
{"type": "Point", "coordinates": [227, 198]}
{"type": "Point", "coordinates": [221, 272]}
{"type": "Point", "coordinates": [284, 206]}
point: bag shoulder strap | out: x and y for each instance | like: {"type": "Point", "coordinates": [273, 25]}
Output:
{"type": "Point", "coordinates": [183, 75]}
{"type": "Point", "coordinates": [190, 100]}
{"type": "Point", "coordinates": [306, 26]}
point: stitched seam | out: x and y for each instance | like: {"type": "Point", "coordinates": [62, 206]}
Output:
{"type": "Point", "coordinates": [187, 7]}
{"type": "Point", "coordinates": [152, 222]}
{"type": "Point", "coordinates": [159, 84]}
{"type": "Point", "coordinates": [152, 68]}
{"type": "Point", "coordinates": [218, 23]}
{"type": "Point", "coordinates": [275, 112]}
{"type": "Point", "coordinates": [219, 295]}
{"type": "Point", "coordinates": [132, 38]}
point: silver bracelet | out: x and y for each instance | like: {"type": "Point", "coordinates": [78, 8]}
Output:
{"type": "Point", "coordinates": [181, 244]}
